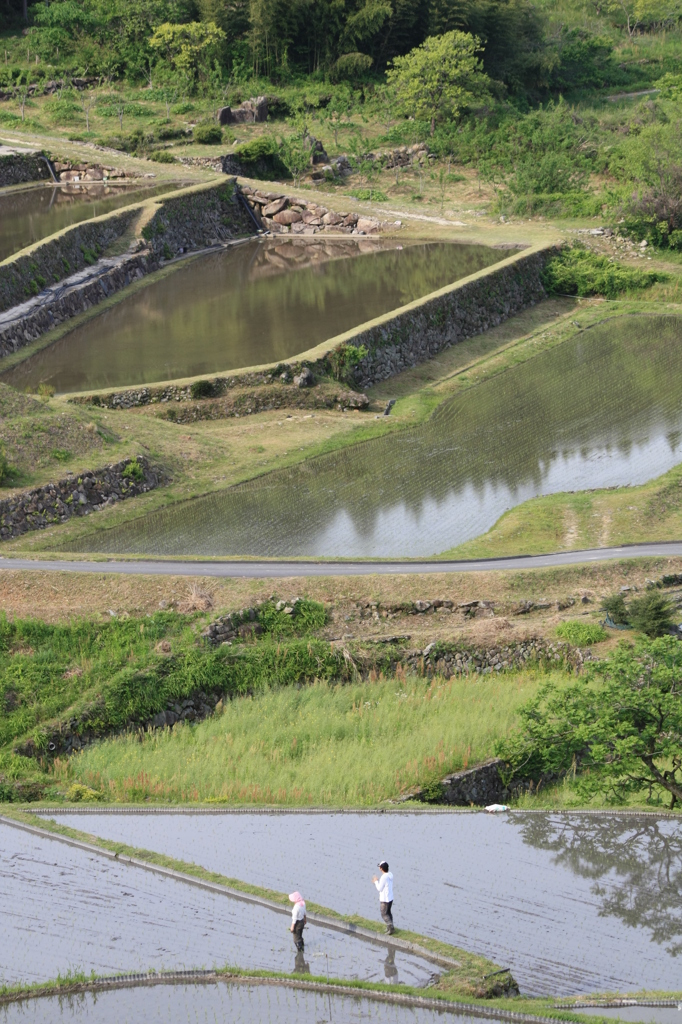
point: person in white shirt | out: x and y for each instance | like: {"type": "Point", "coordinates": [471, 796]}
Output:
{"type": "Point", "coordinates": [298, 920]}
{"type": "Point", "coordinates": [384, 886]}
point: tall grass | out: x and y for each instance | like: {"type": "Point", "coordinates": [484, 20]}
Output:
{"type": "Point", "coordinates": [355, 744]}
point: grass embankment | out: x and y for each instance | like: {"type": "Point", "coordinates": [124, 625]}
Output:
{"type": "Point", "coordinates": [325, 745]}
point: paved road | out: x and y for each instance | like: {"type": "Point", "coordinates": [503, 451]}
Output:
{"type": "Point", "coordinates": [263, 570]}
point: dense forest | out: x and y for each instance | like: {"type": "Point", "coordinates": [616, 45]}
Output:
{"type": "Point", "coordinates": [527, 50]}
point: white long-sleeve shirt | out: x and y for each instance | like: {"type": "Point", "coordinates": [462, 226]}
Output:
{"type": "Point", "coordinates": [385, 887]}
{"type": "Point", "coordinates": [298, 912]}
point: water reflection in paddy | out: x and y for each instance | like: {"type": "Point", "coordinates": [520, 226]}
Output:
{"type": "Point", "coordinates": [602, 409]}
{"type": "Point", "coordinates": [27, 215]}
{"type": "Point", "coordinates": [571, 903]}
{"type": "Point", "coordinates": [65, 909]}
{"type": "Point", "coordinates": [221, 1002]}
{"type": "Point", "coordinates": [256, 303]}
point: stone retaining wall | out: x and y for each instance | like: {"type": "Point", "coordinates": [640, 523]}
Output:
{"type": "Point", "coordinates": [76, 496]}
{"type": "Point", "coordinates": [185, 222]}
{"type": "Point", "coordinates": [43, 288]}
{"type": "Point", "coordinates": [34, 318]}
{"type": "Point", "coordinates": [16, 168]}
{"type": "Point", "coordinates": [57, 258]}
{"type": "Point", "coordinates": [461, 311]}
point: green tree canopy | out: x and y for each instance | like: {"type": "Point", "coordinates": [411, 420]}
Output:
{"type": "Point", "coordinates": [437, 79]}
{"type": "Point", "coordinates": [189, 49]}
{"type": "Point", "coordinates": [619, 726]}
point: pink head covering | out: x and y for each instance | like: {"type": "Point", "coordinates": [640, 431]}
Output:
{"type": "Point", "coordinates": [296, 897]}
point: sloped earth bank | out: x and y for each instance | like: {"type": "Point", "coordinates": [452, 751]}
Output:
{"type": "Point", "coordinates": [601, 409]}
{"type": "Point", "coordinates": [258, 303]}
{"type": "Point", "coordinates": [571, 903]}
{"type": "Point", "coordinates": [64, 909]}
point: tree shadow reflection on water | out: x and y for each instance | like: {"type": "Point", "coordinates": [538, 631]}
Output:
{"type": "Point", "coordinates": [636, 865]}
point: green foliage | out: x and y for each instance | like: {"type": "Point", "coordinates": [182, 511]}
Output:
{"type": "Point", "coordinates": [204, 389]}
{"type": "Point", "coordinates": [78, 793]}
{"type": "Point", "coordinates": [372, 194]}
{"type": "Point", "coordinates": [651, 614]}
{"type": "Point", "coordinates": [133, 471]}
{"type": "Point", "coordinates": [162, 156]}
{"type": "Point", "coordinates": [620, 725]}
{"type": "Point", "coordinates": [583, 634]}
{"type": "Point", "coordinates": [577, 271]}
{"type": "Point", "coordinates": [614, 606]}
{"type": "Point", "coordinates": [301, 618]}
{"type": "Point", "coordinates": [208, 134]}
{"type": "Point", "coordinates": [352, 67]}
{"type": "Point", "coordinates": [4, 475]}
{"type": "Point", "coordinates": [437, 79]}
{"type": "Point", "coordinates": [261, 156]}
{"type": "Point", "coordinates": [344, 359]}
{"type": "Point", "coordinates": [189, 49]}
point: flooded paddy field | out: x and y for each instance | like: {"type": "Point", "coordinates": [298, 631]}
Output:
{"type": "Point", "coordinates": [256, 303]}
{"type": "Point", "coordinates": [571, 903]}
{"type": "Point", "coordinates": [29, 214]}
{"type": "Point", "coordinates": [63, 909]}
{"type": "Point", "coordinates": [219, 1002]}
{"type": "Point", "coordinates": [643, 1014]}
{"type": "Point", "coordinates": [602, 409]}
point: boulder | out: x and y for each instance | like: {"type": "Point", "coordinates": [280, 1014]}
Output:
{"type": "Point", "coordinates": [287, 217]}
{"type": "Point", "coordinates": [368, 225]}
{"type": "Point", "coordinates": [250, 111]}
{"type": "Point", "coordinates": [272, 208]}
{"type": "Point", "coordinates": [304, 379]}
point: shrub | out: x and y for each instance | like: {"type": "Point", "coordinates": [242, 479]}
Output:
{"type": "Point", "coordinates": [614, 606]}
{"type": "Point", "coordinates": [577, 271]}
{"type": "Point", "coordinates": [344, 359]}
{"type": "Point", "coordinates": [262, 156]}
{"type": "Point", "coordinates": [204, 389]}
{"type": "Point", "coordinates": [208, 134]}
{"type": "Point", "coordinates": [134, 471]}
{"type": "Point", "coordinates": [651, 614]}
{"type": "Point", "coordinates": [79, 793]}
{"type": "Point", "coordinates": [368, 193]}
{"type": "Point", "coordinates": [4, 466]}
{"type": "Point", "coordinates": [352, 67]}
{"type": "Point", "coordinates": [162, 156]}
{"type": "Point", "coordinates": [581, 633]}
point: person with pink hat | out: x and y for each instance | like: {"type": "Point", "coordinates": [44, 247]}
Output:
{"type": "Point", "coordinates": [298, 919]}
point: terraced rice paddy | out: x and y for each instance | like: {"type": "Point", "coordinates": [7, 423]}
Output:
{"type": "Point", "coordinates": [571, 903]}
{"type": "Point", "coordinates": [63, 910]}
{"type": "Point", "coordinates": [602, 409]}
{"type": "Point", "coordinates": [257, 303]}
{"type": "Point", "coordinates": [29, 214]}
{"type": "Point", "coordinates": [218, 1002]}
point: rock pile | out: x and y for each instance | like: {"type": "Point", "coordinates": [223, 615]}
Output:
{"type": "Point", "coordinates": [71, 172]}
{"type": "Point", "coordinates": [77, 496]}
{"type": "Point", "coordinates": [252, 111]}
{"type": "Point", "coordinates": [280, 214]}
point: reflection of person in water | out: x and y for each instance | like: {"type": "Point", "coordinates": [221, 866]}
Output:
{"type": "Point", "coordinates": [390, 969]}
{"type": "Point", "coordinates": [301, 965]}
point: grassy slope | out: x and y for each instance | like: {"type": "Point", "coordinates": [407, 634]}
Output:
{"type": "Point", "coordinates": [325, 745]}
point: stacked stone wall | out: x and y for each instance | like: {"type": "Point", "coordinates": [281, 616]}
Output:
{"type": "Point", "coordinates": [17, 168]}
{"type": "Point", "coordinates": [59, 257]}
{"type": "Point", "coordinates": [76, 496]}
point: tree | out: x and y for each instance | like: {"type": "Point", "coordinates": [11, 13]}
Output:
{"type": "Point", "coordinates": [619, 727]}
{"type": "Point", "coordinates": [435, 80]}
{"type": "Point", "coordinates": [190, 49]}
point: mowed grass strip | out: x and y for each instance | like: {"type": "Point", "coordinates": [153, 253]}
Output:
{"type": "Point", "coordinates": [326, 745]}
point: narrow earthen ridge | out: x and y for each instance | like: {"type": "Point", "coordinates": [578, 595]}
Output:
{"type": "Point", "coordinates": [320, 920]}
{"type": "Point", "coordinates": [394, 341]}
{"type": "Point", "coordinates": [211, 977]}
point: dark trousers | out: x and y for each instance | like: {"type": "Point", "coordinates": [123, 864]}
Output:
{"type": "Point", "coordinates": [387, 915]}
{"type": "Point", "coordinates": [298, 934]}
